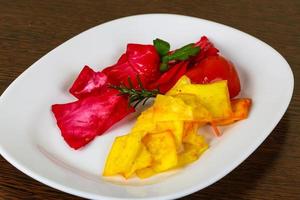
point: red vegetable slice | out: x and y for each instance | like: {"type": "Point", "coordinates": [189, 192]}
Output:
{"type": "Point", "coordinates": [170, 77]}
{"type": "Point", "coordinates": [88, 82]}
{"type": "Point", "coordinates": [122, 59]}
{"type": "Point", "coordinates": [81, 121]}
{"type": "Point", "coordinates": [145, 60]}
{"type": "Point", "coordinates": [139, 60]}
{"type": "Point", "coordinates": [207, 49]}
{"type": "Point", "coordinates": [119, 73]}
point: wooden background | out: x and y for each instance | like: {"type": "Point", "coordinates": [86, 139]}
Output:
{"type": "Point", "coordinates": [29, 29]}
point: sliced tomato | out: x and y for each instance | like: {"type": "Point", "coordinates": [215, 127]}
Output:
{"type": "Point", "coordinates": [215, 68]}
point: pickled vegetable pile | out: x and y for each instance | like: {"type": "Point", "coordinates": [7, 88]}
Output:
{"type": "Point", "coordinates": [193, 86]}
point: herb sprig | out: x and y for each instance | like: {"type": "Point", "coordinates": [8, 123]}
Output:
{"type": "Point", "coordinates": [135, 96]}
{"type": "Point", "coordinates": [181, 54]}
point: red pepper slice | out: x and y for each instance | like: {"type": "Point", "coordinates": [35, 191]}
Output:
{"type": "Point", "coordinates": [170, 77]}
{"type": "Point", "coordinates": [118, 74]}
{"type": "Point", "coordinates": [122, 59]}
{"type": "Point", "coordinates": [139, 60]}
{"type": "Point", "coordinates": [207, 49]}
{"type": "Point", "coordinates": [88, 82]}
{"type": "Point", "coordinates": [81, 121]}
{"type": "Point", "coordinates": [145, 60]}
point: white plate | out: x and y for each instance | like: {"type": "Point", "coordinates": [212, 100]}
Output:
{"type": "Point", "coordinates": [31, 141]}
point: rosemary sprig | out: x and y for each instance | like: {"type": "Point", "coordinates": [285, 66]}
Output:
{"type": "Point", "coordinates": [136, 96]}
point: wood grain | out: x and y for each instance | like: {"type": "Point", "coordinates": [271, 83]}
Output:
{"type": "Point", "coordinates": [29, 29]}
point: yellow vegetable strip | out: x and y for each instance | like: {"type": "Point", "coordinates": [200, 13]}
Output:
{"type": "Point", "coordinates": [143, 160]}
{"type": "Point", "coordinates": [213, 96]}
{"type": "Point", "coordinates": [122, 155]}
{"type": "Point", "coordinates": [163, 150]}
{"type": "Point", "coordinates": [145, 173]}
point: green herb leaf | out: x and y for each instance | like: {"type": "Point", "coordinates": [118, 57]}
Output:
{"type": "Point", "coordinates": [184, 53]}
{"type": "Point", "coordinates": [161, 46]}
{"type": "Point", "coordinates": [164, 67]}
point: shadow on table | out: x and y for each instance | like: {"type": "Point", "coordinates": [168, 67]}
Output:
{"type": "Point", "coordinates": [245, 178]}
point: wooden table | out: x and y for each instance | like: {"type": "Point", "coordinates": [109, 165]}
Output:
{"type": "Point", "coordinates": [29, 29]}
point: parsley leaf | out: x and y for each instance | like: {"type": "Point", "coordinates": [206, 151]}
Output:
{"type": "Point", "coordinates": [161, 46]}
{"type": "Point", "coordinates": [184, 53]}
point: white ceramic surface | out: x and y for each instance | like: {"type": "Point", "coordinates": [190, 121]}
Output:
{"type": "Point", "coordinates": [31, 141]}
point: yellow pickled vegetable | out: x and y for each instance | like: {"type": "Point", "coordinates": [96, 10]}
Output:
{"type": "Point", "coordinates": [168, 108]}
{"type": "Point", "coordinates": [122, 155]}
{"type": "Point", "coordinates": [175, 127]}
{"type": "Point", "coordinates": [165, 136]}
{"type": "Point", "coordinates": [143, 160]}
{"type": "Point", "coordinates": [163, 150]}
{"type": "Point", "coordinates": [213, 96]}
